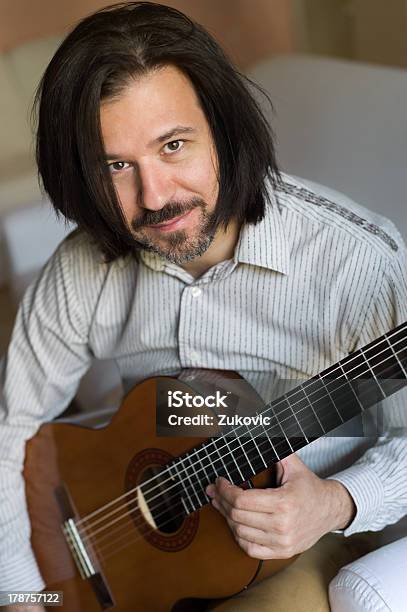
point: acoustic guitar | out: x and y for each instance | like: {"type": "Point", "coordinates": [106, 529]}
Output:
{"type": "Point", "coordinates": [120, 518]}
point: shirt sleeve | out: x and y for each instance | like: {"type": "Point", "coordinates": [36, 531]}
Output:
{"type": "Point", "coordinates": [47, 355]}
{"type": "Point", "coordinates": [377, 482]}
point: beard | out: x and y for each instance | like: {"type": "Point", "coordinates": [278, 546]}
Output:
{"type": "Point", "coordinates": [178, 246]}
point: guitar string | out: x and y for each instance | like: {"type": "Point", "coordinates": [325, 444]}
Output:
{"type": "Point", "coordinates": [228, 466]}
{"type": "Point", "coordinates": [216, 451]}
{"type": "Point", "coordinates": [136, 535]}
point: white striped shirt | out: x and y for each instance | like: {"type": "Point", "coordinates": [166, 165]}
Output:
{"type": "Point", "coordinates": [318, 277]}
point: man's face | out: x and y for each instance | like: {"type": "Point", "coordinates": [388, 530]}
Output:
{"type": "Point", "coordinates": [163, 164]}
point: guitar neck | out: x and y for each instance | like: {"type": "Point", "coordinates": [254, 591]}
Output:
{"type": "Point", "coordinates": [306, 413]}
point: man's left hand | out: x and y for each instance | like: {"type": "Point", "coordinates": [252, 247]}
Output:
{"type": "Point", "coordinates": [279, 523]}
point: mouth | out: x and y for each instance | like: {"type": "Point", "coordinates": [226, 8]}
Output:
{"type": "Point", "coordinates": [172, 224]}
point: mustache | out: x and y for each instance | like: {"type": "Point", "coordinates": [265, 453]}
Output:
{"type": "Point", "coordinates": [168, 212]}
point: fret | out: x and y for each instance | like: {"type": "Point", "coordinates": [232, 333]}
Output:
{"type": "Point", "coordinates": [309, 420]}
{"type": "Point", "coordinates": [361, 382]}
{"type": "Point", "coordinates": [303, 435]}
{"type": "Point", "coordinates": [191, 484]}
{"type": "Point", "coordinates": [263, 441]}
{"type": "Point", "coordinates": [232, 454]}
{"type": "Point", "coordinates": [354, 367]}
{"type": "Point", "coordinates": [373, 374]}
{"type": "Point", "coordinates": [216, 459]}
{"type": "Point", "coordinates": [383, 362]}
{"type": "Point", "coordinates": [245, 452]}
{"type": "Point", "coordinates": [196, 482]}
{"type": "Point", "coordinates": [248, 462]}
{"type": "Point", "coordinates": [252, 451]}
{"type": "Point", "coordinates": [213, 473]}
{"type": "Point", "coordinates": [398, 356]}
{"type": "Point", "coordinates": [200, 459]}
{"type": "Point", "coordinates": [224, 470]}
{"type": "Point", "coordinates": [398, 337]}
{"type": "Point", "coordinates": [389, 369]}
{"type": "Point", "coordinates": [322, 404]}
{"type": "Point", "coordinates": [235, 446]}
{"type": "Point", "coordinates": [253, 447]}
{"type": "Point", "coordinates": [185, 501]}
{"type": "Point", "coordinates": [257, 448]}
{"type": "Point", "coordinates": [290, 425]}
{"type": "Point", "coordinates": [326, 387]}
{"type": "Point", "coordinates": [351, 407]}
{"type": "Point", "coordinates": [276, 432]}
{"type": "Point", "coordinates": [270, 447]}
{"type": "Point", "coordinates": [400, 349]}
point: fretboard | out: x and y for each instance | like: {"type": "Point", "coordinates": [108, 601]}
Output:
{"type": "Point", "coordinates": [301, 416]}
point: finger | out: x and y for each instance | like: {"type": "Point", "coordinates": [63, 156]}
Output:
{"type": "Point", "coordinates": [255, 500]}
{"type": "Point", "coordinates": [256, 520]}
{"type": "Point", "coordinates": [250, 534]}
{"type": "Point", "coordinates": [257, 551]}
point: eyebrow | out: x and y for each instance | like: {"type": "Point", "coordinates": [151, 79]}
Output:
{"type": "Point", "coordinates": [176, 131]}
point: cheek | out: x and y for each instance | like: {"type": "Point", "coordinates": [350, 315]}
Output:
{"type": "Point", "coordinates": [127, 195]}
{"type": "Point", "coordinates": [200, 177]}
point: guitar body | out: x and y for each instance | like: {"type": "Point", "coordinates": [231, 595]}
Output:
{"type": "Point", "coordinates": [141, 567]}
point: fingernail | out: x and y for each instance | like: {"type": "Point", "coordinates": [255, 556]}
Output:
{"type": "Point", "coordinates": [210, 491]}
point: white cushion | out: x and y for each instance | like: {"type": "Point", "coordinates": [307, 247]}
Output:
{"type": "Point", "coordinates": [19, 185]}
{"type": "Point", "coordinates": [374, 583]}
{"type": "Point", "coordinates": [342, 124]}
{"type": "Point", "coordinates": [31, 235]}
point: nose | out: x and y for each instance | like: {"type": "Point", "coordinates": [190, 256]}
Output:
{"type": "Point", "coordinates": [155, 186]}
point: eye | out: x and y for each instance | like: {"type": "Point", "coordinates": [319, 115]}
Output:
{"type": "Point", "coordinates": [173, 146]}
{"type": "Point", "coordinates": [118, 166]}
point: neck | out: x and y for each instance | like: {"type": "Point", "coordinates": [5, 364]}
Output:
{"type": "Point", "coordinates": [221, 249]}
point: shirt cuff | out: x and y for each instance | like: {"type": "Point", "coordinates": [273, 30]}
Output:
{"type": "Point", "coordinates": [21, 573]}
{"type": "Point", "coordinates": [366, 489]}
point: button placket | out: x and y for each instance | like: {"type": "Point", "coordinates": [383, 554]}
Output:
{"type": "Point", "coordinates": [196, 291]}
{"type": "Point", "coordinates": [190, 310]}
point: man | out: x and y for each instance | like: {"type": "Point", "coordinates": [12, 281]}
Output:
{"type": "Point", "coordinates": [193, 251]}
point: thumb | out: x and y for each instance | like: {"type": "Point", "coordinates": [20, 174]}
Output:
{"type": "Point", "coordinates": [288, 467]}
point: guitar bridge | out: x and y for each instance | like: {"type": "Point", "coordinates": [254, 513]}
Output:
{"type": "Point", "coordinates": [78, 549]}
{"type": "Point", "coordinates": [80, 553]}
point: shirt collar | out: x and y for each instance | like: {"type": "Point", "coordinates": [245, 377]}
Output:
{"type": "Point", "coordinates": [153, 261]}
{"type": "Point", "coordinates": [265, 244]}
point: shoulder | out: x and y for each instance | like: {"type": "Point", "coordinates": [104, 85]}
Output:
{"type": "Point", "coordinates": [78, 250]}
{"type": "Point", "coordinates": [339, 216]}
{"type": "Point", "coordinates": [358, 256]}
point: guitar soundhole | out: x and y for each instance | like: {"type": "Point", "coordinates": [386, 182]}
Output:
{"type": "Point", "coordinates": [160, 516]}
{"type": "Point", "coordinates": [163, 500]}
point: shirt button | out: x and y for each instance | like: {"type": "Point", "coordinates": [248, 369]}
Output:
{"type": "Point", "coordinates": [196, 291]}
{"type": "Point", "coordinates": [193, 355]}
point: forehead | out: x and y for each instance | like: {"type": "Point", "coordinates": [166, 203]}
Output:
{"type": "Point", "coordinates": [152, 104]}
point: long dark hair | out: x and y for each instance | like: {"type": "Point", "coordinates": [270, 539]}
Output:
{"type": "Point", "coordinates": [95, 62]}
